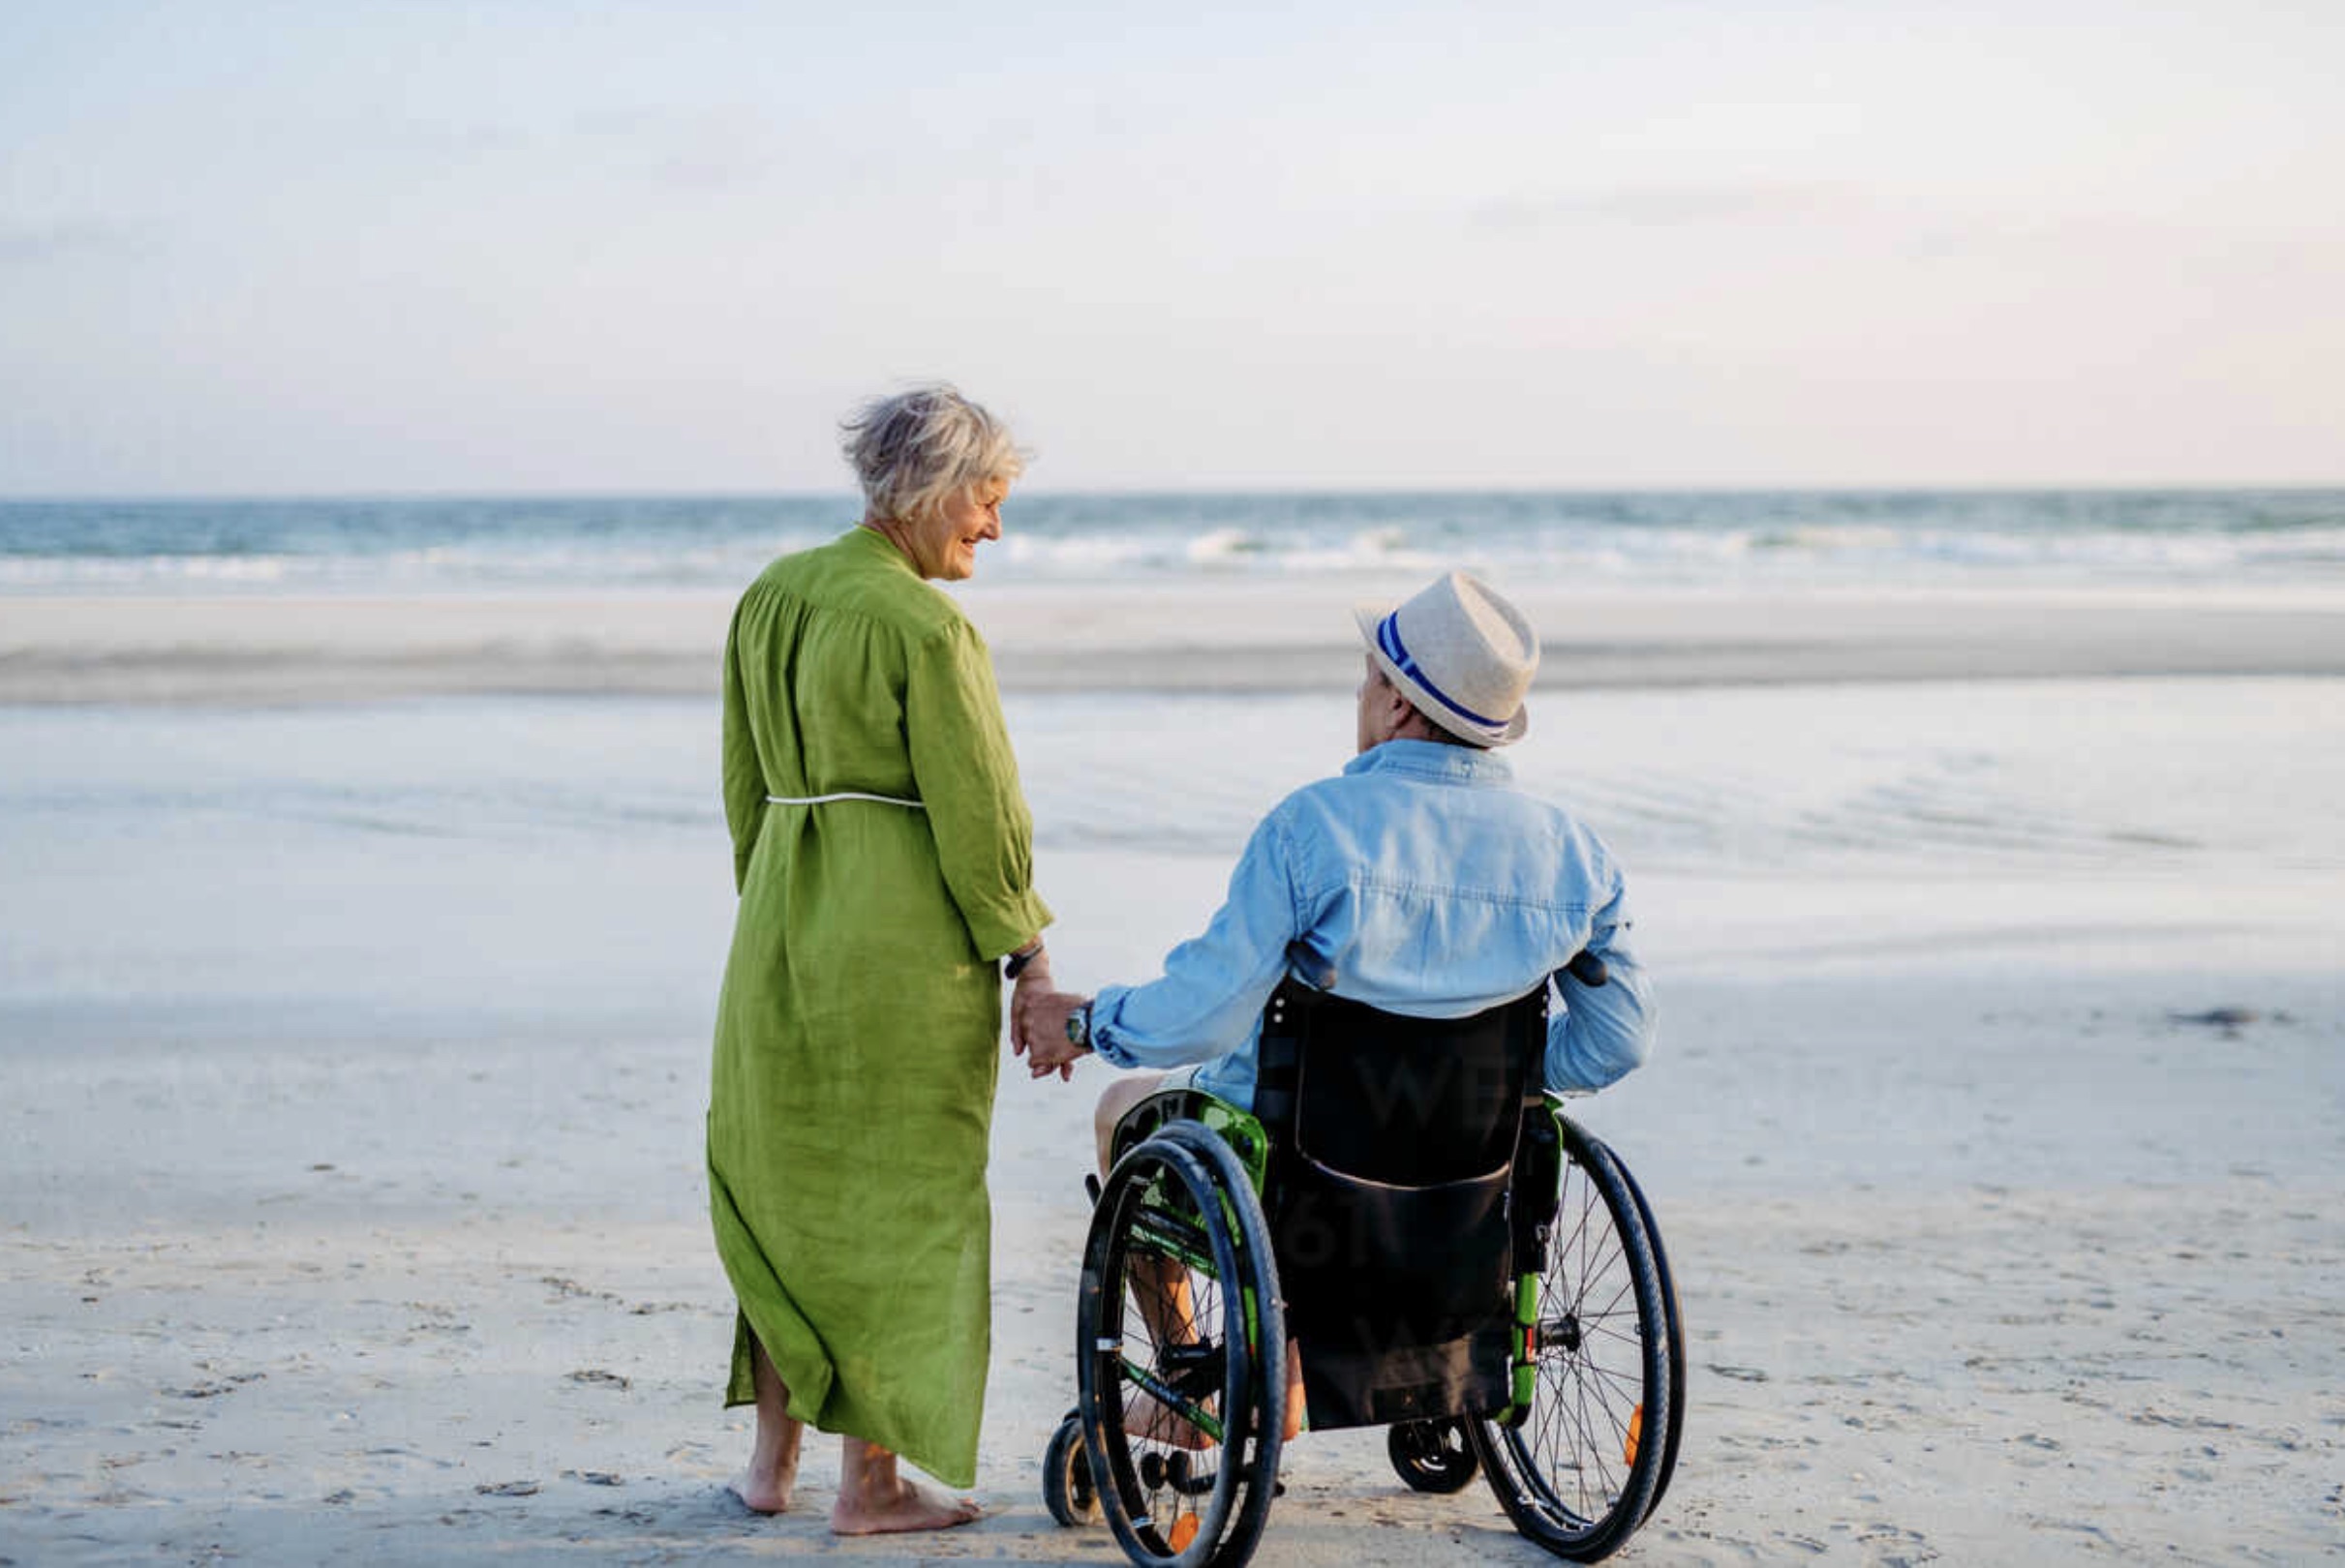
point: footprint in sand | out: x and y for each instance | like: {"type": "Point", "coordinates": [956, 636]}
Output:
{"type": "Point", "coordinates": [597, 1375]}
{"type": "Point", "coordinates": [1890, 1547]}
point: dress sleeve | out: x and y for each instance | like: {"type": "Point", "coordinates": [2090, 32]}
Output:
{"type": "Point", "coordinates": [1601, 1033]}
{"type": "Point", "coordinates": [1214, 985]}
{"type": "Point", "coordinates": [745, 779]}
{"type": "Point", "coordinates": [968, 780]}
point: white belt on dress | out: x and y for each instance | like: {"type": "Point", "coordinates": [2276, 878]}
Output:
{"type": "Point", "coordinates": [842, 794]}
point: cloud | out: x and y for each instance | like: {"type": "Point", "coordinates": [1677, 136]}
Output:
{"type": "Point", "coordinates": [1919, 229]}
{"type": "Point", "coordinates": [1674, 205]}
{"type": "Point", "coordinates": [710, 149]}
{"type": "Point", "coordinates": [477, 138]}
{"type": "Point", "coordinates": [38, 243]}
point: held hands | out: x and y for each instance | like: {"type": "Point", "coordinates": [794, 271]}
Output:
{"type": "Point", "coordinates": [1038, 1022]}
{"type": "Point", "coordinates": [1045, 1028]}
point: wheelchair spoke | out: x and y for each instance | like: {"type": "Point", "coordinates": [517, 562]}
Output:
{"type": "Point", "coordinates": [1164, 1360]}
{"type": "Point", "coordinates": [1626, 1386]}
{"type": "Point", "coordinates": [1172, 1398]}
{"type": "Point", "coordinates": [1596, 1486]}
{"type": "Point", "coordinates": [1594, 1492]}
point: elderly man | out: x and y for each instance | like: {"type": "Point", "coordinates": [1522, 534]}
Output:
{"type": "Point", "coordinates": [1419, 880]}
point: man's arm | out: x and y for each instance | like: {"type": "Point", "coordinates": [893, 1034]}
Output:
{"type": "Point", "coordinates": [1601, 1033]}
{"type": "Point", "coordinates": [1213, 986]}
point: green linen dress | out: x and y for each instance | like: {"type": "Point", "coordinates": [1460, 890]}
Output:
{"type": "Point", "coordinates": [858, 1036]}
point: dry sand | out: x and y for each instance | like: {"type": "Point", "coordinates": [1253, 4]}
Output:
{"type": "Point", "coordinates": [1992, 1248]}
{"type": "Point", "coordinates": [457, 1304]}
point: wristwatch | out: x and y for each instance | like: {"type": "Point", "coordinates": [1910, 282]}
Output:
{"type": "Point", "coordinates": [1016, 964]}
{"type": "Point", "coordinates": [1078, 1028]}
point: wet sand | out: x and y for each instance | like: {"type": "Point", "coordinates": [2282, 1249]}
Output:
{"type": "Point", "coordinates": [1236, 637]}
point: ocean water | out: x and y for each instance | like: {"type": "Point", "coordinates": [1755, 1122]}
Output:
{"type": "Point", "coordinates": [2173, 538]}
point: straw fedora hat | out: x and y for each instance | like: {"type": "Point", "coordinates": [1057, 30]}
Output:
{"type": "Point", "coordinates": [1460, 653]}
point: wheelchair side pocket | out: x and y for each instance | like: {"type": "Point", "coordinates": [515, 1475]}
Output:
{"type": "Point", "coordinates": [1398, 1295]}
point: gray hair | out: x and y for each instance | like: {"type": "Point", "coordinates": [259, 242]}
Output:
{"type": "Point", "coordinates": [916, 451]}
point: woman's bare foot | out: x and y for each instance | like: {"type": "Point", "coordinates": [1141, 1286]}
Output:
{"type": "Point", "coordinates": [907, 1506]}
{"type": "Point", "coordinates": [765, 1486]}
{"type": "Point", "coordinates": [766, 1492]}
{"type": "Point", "coordinates": [875, 1501]}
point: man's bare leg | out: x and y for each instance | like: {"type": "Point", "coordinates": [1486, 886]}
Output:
{"type": "Point", "coordinates": [1295, 1392]}
{"type": "Point", "coordinates": [1161, 1284]}
{"type": "Point", "coordinates": [875, 1501]}
{"type": "Point", "coordinates": [766, 1484]}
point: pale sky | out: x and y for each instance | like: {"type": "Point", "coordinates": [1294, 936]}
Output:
{"type": "Point", "coordinates": [323, 248]}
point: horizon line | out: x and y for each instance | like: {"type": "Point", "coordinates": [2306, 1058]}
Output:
{"type": "Point", "coordinates": [1138, 492]}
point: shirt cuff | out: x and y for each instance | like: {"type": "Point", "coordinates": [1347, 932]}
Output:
{"type": "Point", "coordinates": [1102, 1027]}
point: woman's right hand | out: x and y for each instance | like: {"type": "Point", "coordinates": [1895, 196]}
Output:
{"type": "Point", "coordinates": [1048, 1047]}
{"type": "Point", "coordinates": [1033, 982]}
{"type": "Point", "coordinates": [1038, 1022]}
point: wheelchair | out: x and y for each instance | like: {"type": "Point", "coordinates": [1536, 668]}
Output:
{"type": "Point", "coordinates": [1451, 1256]}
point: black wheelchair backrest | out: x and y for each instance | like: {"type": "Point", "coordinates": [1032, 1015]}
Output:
{"type": "Point", "coordinates": [1387, 1200]}
{"type": "Point", "coordinates": [1391, 1098]}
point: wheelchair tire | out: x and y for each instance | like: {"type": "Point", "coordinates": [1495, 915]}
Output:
{"type": "Point", "coordinates": [1579, 1472]}
{"type": "Point", "coordinates": [1432, 1456]}
{"type": "Point", "coordinates": [1178, 1233]}
{"type": "Point", "coordinates": [1067, 1490]}
{"type": "Point", "coordinates": [1677, 1337]}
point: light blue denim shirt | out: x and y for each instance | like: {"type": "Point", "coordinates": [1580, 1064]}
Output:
{"type": "Point", "coordinates": [1419, 880]}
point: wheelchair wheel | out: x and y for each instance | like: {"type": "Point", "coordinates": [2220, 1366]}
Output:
{"type": "Point", "coordinates": [1431, 1456]}
{"type": "Point", "coordinates": [1180, 1353]}
{"type": "Point", "coordinates": [1579, 1473]}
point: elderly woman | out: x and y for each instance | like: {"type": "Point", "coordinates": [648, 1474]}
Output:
{"type": "Point", "coordinates": [883, 856]}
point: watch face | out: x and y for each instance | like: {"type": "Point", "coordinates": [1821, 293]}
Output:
{"type": "Point", "coordinates": [1079, 1027]}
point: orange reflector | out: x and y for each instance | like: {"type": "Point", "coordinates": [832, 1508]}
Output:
{"type": "Point", "coordinates": [1184, 1531]}
{"type": "Point", "coordinates": [1637, 1436]}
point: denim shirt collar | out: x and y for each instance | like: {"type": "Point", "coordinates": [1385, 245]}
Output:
{"type": "Point", "coordinates": [1434, 761]}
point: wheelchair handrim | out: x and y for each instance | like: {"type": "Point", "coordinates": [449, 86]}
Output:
{"type": "Point", "coordinates": [1099, 1359]}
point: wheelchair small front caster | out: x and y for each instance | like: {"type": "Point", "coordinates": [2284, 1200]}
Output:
{"type": "Point", "coordinates": [1431, 1456]}
{"type": "Point", "coordinates": [1066, 1476]}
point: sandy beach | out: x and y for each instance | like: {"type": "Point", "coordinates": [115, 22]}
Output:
{"type": "Point", "coordinates": [358, 956]}
{"type": "Point", "coordinates": [1914, 433]}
